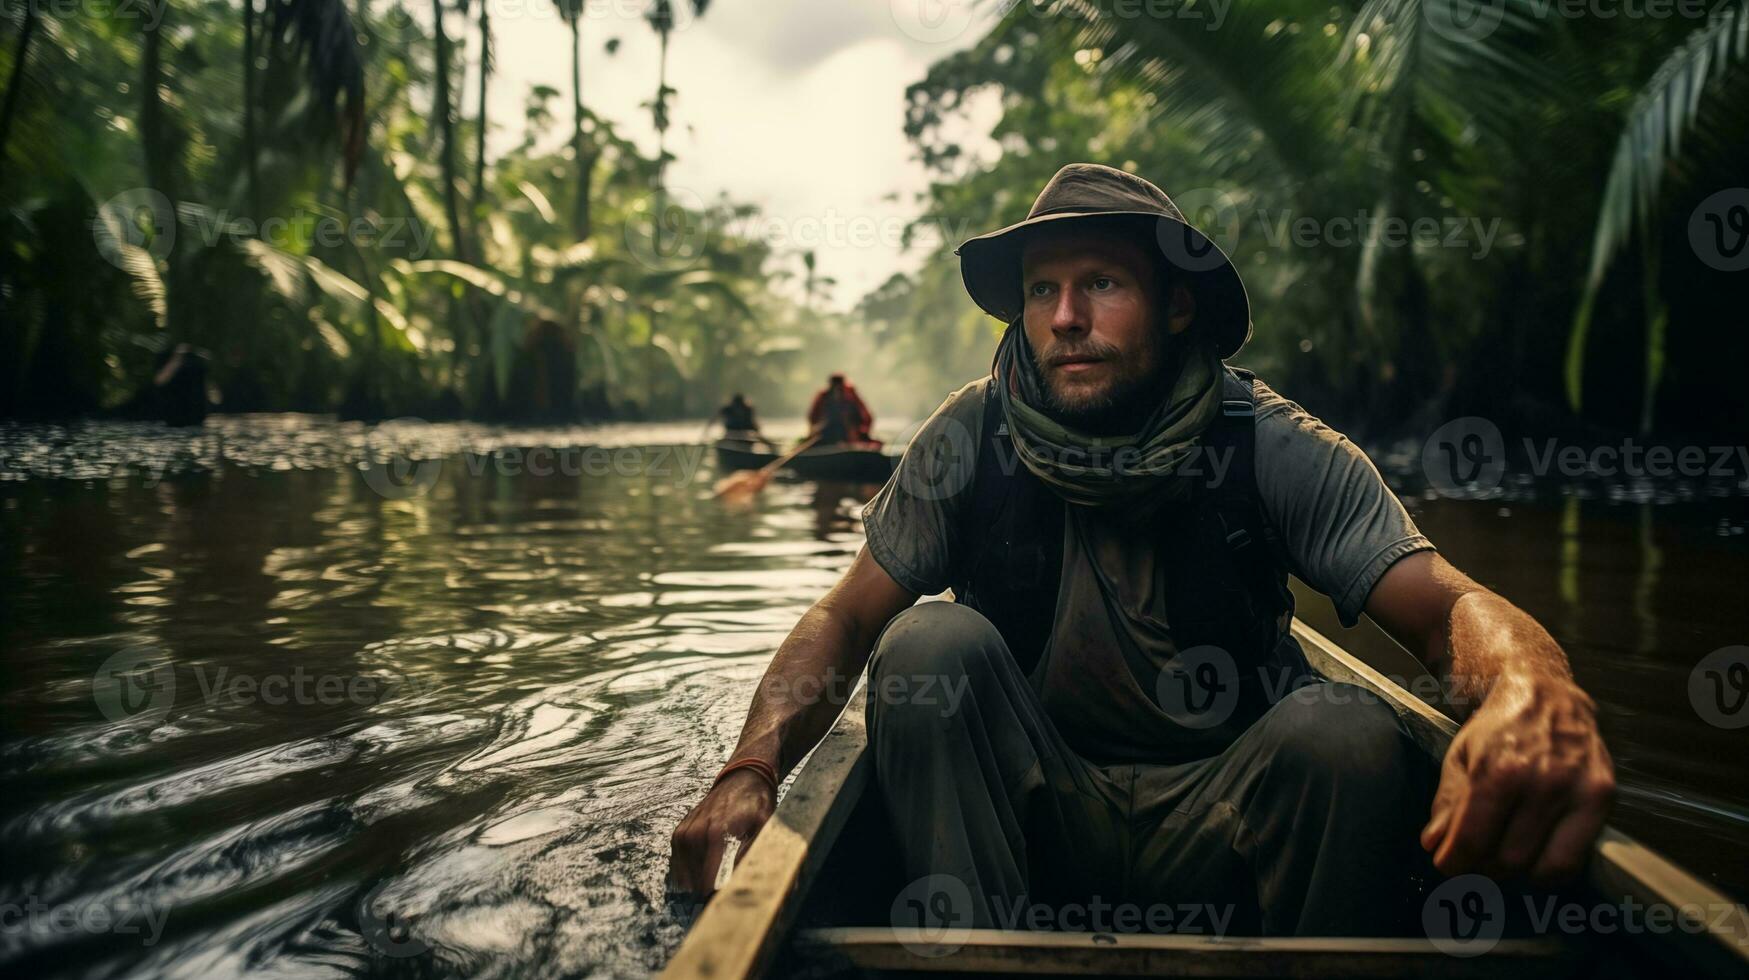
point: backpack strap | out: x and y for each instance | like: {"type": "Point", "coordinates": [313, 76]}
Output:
{"type": "Point", "coordinates": [1253, 543]}
{"type": "Point", "coordinates": [992, 484]}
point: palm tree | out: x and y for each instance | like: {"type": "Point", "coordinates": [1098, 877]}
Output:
{"type": "Point", "coordinates": [813, 285]}
{"type": "Point", "coordinates": [20, 51]}
{"type": "Point", "coordinates": [582, 151]}
{"type": "Point", "coordinates": [661, 18]}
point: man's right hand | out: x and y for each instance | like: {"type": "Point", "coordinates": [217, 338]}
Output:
{"type": "Point", "coordinates": [736, 807]}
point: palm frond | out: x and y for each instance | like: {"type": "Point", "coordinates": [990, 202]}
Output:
{"type": "Point", "coordinates": [109, 229]}
{"type": "Point", "coordinates": [1239, 84]}
{"type": "Point", "coordinates": [1663, 112]}
{"type": "Point", "coordinates": [321, 31]}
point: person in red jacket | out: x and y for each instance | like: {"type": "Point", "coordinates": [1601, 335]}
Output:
{"type": "Point", "coordinates": [838, 413]}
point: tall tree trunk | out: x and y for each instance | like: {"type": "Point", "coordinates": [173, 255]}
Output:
{"type": "Point", "coordinates": [442, 106]}
{"type": "Point", "coordinates": [14, 84]}
{"type": "Point", "coordinates": [471, 321]}
{"type": "Point", "coordinates": [251, 145]}
{"type": "Point", "coordinates": [581, 151]}
{"type": "Point", "coordinates": [660, 109]}
{"type": "Point", "coordinates": [161, 146]}
{"type": "Point", "coordinates": [480, 136]}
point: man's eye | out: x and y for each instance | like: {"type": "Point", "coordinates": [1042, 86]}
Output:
{"type": "Point", "coordinates": [1104, 282]}
{"type": "Point", "coordinates": [1039, 289]}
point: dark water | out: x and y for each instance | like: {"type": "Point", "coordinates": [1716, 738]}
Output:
{"type": "Point", "coordinates": [261, 717]}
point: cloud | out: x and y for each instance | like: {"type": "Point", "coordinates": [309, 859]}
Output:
{"type": "Point", "coordinates": [797, 107]}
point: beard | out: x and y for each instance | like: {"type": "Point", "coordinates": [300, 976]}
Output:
{"type": "Point", "coordinates": [1114, 404]}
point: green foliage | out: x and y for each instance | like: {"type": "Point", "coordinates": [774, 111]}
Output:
{"type": "Point", "coordinates": [1293, 112]}
{"type": "Point", "coordinates": [266, 216]}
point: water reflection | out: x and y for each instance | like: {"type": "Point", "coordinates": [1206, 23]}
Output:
{"type": "Point", "coordinates": [448, 731]}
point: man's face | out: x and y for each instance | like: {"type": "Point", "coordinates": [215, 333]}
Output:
{"type": "Point", "coordinates": [1090, 315]}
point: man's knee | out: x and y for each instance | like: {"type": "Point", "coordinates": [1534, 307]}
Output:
{"type": "Point", "coordinates": [1340, 732]}
{"type": "Point", "coordinates": [935, 639]}
{"type": "Point", "coordinates": [927, 659]}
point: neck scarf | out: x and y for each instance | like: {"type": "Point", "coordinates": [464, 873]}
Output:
{"type": "Point", "coordinates": [1098, 471]}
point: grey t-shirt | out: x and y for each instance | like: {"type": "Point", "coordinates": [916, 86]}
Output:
{"type": "Point", "coordinates": [1340, 525]}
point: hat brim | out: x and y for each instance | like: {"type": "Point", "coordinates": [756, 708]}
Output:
{"type": "Point", "coordinates": [990, 267]}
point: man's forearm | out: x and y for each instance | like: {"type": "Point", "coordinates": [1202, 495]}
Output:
{"type": "Point", "coordinates": [1488, 641]}
{"type": "Point", "coordinates": [805, 687]}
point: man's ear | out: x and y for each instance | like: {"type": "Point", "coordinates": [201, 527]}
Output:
{"type": "Point", "coordinates": [1180, 310]}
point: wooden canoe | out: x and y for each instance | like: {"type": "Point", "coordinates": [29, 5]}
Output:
{"type": "Point", "coordinates": [806, 898]}
{"type": "Point", "coordinates": [850, 463]}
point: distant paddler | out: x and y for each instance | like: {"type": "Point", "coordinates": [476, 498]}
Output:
{"type": "Point", "coordinates": [739, 422]}
{"type": "Point", "coordinates": [839, 415]}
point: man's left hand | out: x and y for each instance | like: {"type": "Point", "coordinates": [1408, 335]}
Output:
{"type": "Point", "coordinates": [1525, 786]}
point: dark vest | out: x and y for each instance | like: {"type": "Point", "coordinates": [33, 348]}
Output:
{"type": "Point", "coordinates": [1229, 590]}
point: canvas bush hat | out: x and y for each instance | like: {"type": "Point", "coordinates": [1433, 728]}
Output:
{"type": "Point", "coordinates": [1125, 204]}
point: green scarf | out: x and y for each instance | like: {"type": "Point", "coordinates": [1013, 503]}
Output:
{"type": "Point", "coordinates": [1101, 470]}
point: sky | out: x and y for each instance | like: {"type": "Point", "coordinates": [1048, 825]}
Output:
{"type": "Point", "coordinates": [796, 106]}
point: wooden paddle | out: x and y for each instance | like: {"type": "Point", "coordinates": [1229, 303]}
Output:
{"type": "Point", "coordinates": [747, 483]}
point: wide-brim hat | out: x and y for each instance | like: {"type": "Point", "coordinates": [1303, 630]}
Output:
{"type": "Point", "coordinates": [1125, 204]}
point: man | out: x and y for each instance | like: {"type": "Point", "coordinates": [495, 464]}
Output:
{"type": "Point", "coordinates": [838, 413]}
{"type": "Point", "coordinates": [1134, 722]}
{"type": "Point", "coordinates": [738, 419]}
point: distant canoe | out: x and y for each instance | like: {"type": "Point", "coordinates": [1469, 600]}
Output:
{"type": "Point", "coordinates": [841, 461]}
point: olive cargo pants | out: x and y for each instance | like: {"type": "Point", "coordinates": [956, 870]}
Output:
{"type": "Point", "coordinates": [1305, 825]}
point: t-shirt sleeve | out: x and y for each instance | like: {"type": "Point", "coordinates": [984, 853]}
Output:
{"type": "Point", "coordinates": [914, 523]}
{"type": "Point", "coordinates": [1341, 525]}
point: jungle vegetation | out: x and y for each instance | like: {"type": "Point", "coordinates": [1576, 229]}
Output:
{"type": "Point", "coordinates": [177, 180]}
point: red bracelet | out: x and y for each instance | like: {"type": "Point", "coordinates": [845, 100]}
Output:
{"type": "Point", "coordinates": [765, 769]}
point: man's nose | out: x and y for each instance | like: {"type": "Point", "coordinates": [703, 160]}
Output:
{"type": "Point", "coordinates": [1069, 313]}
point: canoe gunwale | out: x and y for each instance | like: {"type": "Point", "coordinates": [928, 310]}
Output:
{"type": "Point", "coordinates": [740, 932]}
{"type": "Point", "coordinates": [997, 951]}
{"type": "Point", "coordinates": [741, 929]}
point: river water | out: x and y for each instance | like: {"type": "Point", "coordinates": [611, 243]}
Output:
{"type": "Point", "coordinates": [271, 708]}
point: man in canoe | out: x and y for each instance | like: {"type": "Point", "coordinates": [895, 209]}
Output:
{"type": "Point", "coordinates": [1121, 712]}
{"type": "Point", "coordinates": [838, 413]}
{"type": "Point", "coordinates": [738, 420]}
